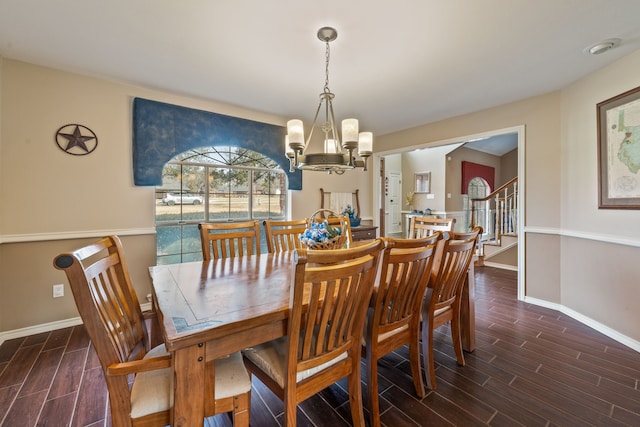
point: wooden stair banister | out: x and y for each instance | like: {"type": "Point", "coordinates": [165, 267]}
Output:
{"type": "Point", "coordinates": [497, 212]}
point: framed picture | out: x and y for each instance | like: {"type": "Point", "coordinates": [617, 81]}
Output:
{"type": "Point", "coordinates": [619, 151]}
{"type": "Point", "coordinates": [423, 182]}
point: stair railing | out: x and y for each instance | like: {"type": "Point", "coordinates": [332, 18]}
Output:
{"type": "Point", "coordinates": [497, 213]}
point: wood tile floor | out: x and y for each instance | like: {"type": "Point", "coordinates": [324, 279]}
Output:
{"type": "Point", "coordinates": [532, 367]}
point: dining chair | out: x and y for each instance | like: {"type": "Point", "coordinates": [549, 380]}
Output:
{"type": "Point", "coordinates": [473, 234]}
{"type": "Point", "coordinates": [393, 317]}
{"type": "Point", "coordinates": [443, 298]}
{"type": "Point", "coordinates": [282, 236]}
{"type": "Point", "coordinates": [109, 308]}
{"type": "Point", "coordinates": [330, 291]}
{"type": "Point", "coordinates": [229, 239]}
{"type": "Point", "coordinates": [423, 226]}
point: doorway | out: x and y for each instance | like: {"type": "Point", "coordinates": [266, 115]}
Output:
{"type": "Point", "coordinates": [477, 139]}
{"type": "Point", "coordinates": [393, 217]}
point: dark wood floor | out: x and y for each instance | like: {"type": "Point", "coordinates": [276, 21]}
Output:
{"type": "Point", "coordinates": [532, 367]}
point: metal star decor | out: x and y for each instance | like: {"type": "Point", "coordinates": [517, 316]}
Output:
{"type": "Point", "coordinates": [76, 140]}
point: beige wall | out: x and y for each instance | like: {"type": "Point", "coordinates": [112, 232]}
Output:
{"type": "Point", "coordinates": [599, 276]}
{"type": "Point", "coordinates": [427, 160]}
{"type": "Point", "coordinates": [509, 166]}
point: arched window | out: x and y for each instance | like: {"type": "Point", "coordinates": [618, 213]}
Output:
{"type": "Point", "coordinates": [478, 188]}
{"type": "Point", "coordinates": [214, 184]}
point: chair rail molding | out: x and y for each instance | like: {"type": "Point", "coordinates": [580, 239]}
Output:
{"type": "Point", "coordinates": [599, 237]}
{"type": "Point", "coordinates": [68, 235]}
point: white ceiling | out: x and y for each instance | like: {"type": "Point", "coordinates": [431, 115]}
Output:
{"type": "Point", "coordinates": [393, 66]}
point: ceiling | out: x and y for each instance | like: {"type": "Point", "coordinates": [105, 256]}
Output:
{"type": "Point", "coordinates": [393, 67]}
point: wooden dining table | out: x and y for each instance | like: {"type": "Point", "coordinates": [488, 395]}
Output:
{"type": "Point", "coordinates": [209, 309]}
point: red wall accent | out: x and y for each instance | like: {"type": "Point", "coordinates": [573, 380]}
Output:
{"type": "Point", "coordinates": [472, 170]}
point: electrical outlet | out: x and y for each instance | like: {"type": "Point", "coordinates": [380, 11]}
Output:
{"type": "Point", "coordinates": [58, 291]}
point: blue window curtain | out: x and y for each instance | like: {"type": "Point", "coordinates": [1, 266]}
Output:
{"type": "Point", "coordinates": [161, 131]}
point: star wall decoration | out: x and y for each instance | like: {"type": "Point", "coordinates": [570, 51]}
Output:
{"type": "Point", "coordinates": [76, 140]}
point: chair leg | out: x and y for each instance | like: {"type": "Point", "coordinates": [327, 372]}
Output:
{"type": "Point", "coordinates": [456, 335]}
{"type": "Point", "coordinates": [242, 409]}
{"type": "Point", "coordinates": [414, 362]}
{"type": "Point", "coordinates": [371, 391]}
{"type": "Point", "coordinates": [355, 394]}
{"type": "Point", "coordinates": [290, 407]}
{"type": "Point", "coordinates": [427, 353]}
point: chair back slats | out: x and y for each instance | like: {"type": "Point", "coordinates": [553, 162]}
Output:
{"type": "Point", "coordinates": [117, 314]}
{"type": "Point", "coordinates": [405, 268]}
{"type": "Point", "coordinates": [106, 300]}
{"type": "Point", "coordinates": [229, 240]}
{"type": "Point", "coordinates": [453, 260]}
{"type": "Point", "coordinates": [422, 226]}
{"type": "Point", "coordinates": [452, 271]}
{"type": "Point", "coordinates": [330, 294]}
{"type": "Point", "coordinates": [282, 236]}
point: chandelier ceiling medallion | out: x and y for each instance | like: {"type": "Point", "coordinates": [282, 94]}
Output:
{"type": "Point", "coordinates": [338, 155]}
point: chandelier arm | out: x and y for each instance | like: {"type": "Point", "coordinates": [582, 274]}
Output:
{"type": "Point", "coordinates": [332, 121]}
{"type": "Point", "coordinates": [313, 126]}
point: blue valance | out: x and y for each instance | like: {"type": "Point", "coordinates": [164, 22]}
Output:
{"type": "Point", "coordinates": [162, 131]}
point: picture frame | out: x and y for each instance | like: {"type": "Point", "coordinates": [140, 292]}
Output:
{"type": "Point", "coordinates": [618, 121]}
{"type": "Point", "coordinates": [422, 182]}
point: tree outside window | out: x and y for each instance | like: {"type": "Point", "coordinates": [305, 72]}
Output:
{"type": "Point", "coordinates": [214, 184]}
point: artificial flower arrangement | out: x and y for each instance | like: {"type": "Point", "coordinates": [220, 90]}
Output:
{"type": "Point", "coordinates": [321, 235]}
{"type": "Point", "coordinates": [351, 213]}
{"type": "Point", "coordinates": [348, 211]}
{"type": "Point", "coordinates": [410, 195]}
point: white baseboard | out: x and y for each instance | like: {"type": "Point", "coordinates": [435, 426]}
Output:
{"type": "Point", "coordinates": [502, 266]}
{"type": "Point", "coordinates": [611, 333]}
{"type": "Point", "coordinates": [48, 327]}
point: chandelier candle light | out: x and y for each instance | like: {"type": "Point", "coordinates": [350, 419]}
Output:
{"type": "Point", "coordinates": [338, 154]}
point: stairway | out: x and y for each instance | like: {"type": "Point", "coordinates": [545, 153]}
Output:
{"type": "Point", "coordinates": [497, 213]}
{"type": "Point", "coordinates": [501, 253]}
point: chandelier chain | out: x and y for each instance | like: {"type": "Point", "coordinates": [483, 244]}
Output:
{"type": "Point", "coordinates": [327, 55]}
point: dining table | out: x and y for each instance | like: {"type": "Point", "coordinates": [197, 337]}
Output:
{"type": "Point", "coordinates": [210, 309]}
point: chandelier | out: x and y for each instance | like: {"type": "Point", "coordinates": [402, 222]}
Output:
{"type": "Point", "coordinates": [339, 153]}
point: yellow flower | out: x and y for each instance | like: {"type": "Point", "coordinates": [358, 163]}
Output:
{"type": "Point", "coordinates": [409, 198]}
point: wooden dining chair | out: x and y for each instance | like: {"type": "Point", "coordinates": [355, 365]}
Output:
{"type": "Point", "coordinates": [330, 292]}
{"type": "Point", "coordinates": [229, 239]}
{"type": "Point", "coordinates": [282, 236]}
{"type": "Point", "coordinates": [467, 235]}
{"type": "Point", "coordinates": [110, 311]}
{"type": "Point", "coordinates": [423, 226]}
{"type": "Point", "coordinates": [443, 298]}
{"type": "Point", "coordinates": [393, 317]}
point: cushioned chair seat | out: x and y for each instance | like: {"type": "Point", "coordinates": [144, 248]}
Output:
{"type": "Point", "coordinates": [385, 335]}
{"type": "Point", "coordinates": [151, 389]}
{"type": "Point", "coordinates": [270, 358]}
